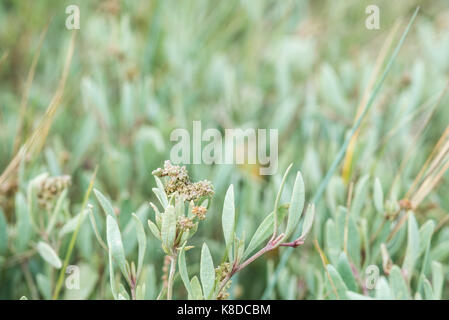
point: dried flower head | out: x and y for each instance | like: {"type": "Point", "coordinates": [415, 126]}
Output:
{"type": "Point", "coordinates": [200, 212]}
{"type": "Point", "coordinates": [178, 181]}
{"type": "Point", "coordinates": [185, 224]}
{"type": "Point", "coordinates": [223, 295]}
{"type": "Point", "coordinates": [222, 271]}
{"type": "Point", "coordinates": [50, 188]}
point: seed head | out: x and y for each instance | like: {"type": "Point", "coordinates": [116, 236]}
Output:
{"type": "Point", "coordinates": [200, 212]}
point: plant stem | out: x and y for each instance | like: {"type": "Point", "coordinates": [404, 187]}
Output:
{"type": "Point", "coordinates": [271, 245]}
{"type": "Point", "coordinates": [171, 276]}
{"type": "Point", "coordinates": [73, 239]}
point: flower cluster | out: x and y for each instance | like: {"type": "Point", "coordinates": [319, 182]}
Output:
{"type": "Point", "coordinates": [185, 223]}
{"type": "Point", "coordinates": [50, 188]}
{"type": "Point", "coordinates": [178, 181]}
{"type": "Point", "coordinates": [199, 212]}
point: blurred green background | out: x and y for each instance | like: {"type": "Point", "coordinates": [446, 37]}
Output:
{"type": "Point", "coordinates": [143, 68]}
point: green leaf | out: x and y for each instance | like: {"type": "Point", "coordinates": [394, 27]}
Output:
{"type": "Point", "coordinates": [168, 229]}
{"type": "Point", "coordinates": [412, 250]}
{"type": "Point", "coordinates": [196, 289]}
{"type": "Point", "coordinates": [378, 196]}
{"type": "Point", "coordinates": [183, 271]}
{"type": "Point", "coordinates": [425, 235]}
{"type": "Point", "coordinates": [142, 241]}
{"type": "Point", "coordinates": [437, 279]}
{"type": "Point", "coordinates": [427, 287]}
{"type": "Point", "coordinates": [160, 197]}
{"type": "Point", "coordinates": [296, 205]}
{"type": "Point", "coordinates": [360, 195]}
{"type": "Point", "coordinates": [3, 234]}
{"type": "Point", "coordinates": [354, 245]}
{"type": "Point", "coordinates": [264, 231]}
{"type": "Point", "coordinates": [161, 194]}
{"type": "Point", "coordinates": [115, 244]}
{"type": "Point", "coordinates": [383, 291]}
{"type": "Point", "coordinates": [338, 285]}
{"type": "Point", "coordinates": [356, 296]}
{"type": "Point", "coordinates": [333, 246]}
{"type": "Point", "coordinates": [308, 221]}
{"type": "Point", "coordinates": [398, 285]}
{"type": "Point", "coordinates": [207, 272]}
{"type": "Point", "coordinates": [71, 224]}
{"type": "Point", "coordinates": [344, 269]}
{"type": "Point", "coordinates": [24, 227]}
{"type": "Point", "coordinates": [48, 254]}
{"type": "Point", "coordinates": [228, 220]}
{"type": "Point", "coordinates": [56, 211]}
{"type": "Point", "coordinates": [278, 197]}
{"type": "Point", "coordinates": [105, 203]}
{"type": "Point", "coordinates": [44, 285]}
{"type": "Point", "coordinates": [154, 229]}
{"type": "Point", "coordinates": [440, 251]}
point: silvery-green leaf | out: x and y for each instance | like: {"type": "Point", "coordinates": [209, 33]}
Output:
{"type": "Point", "coordinates": [168, 229]}
{"type": "Point", "coordinates": [383, 291]}
{"type": "Point", "coordinates": [308, 221]}
{"type": "Point", "coordinates": [183, 271]}
{"type": "Point", "coordinates": [353, 242]}
{"type": "Point", "coordinates": [44, 285]}
{"type": "Point", "coordinates": [412, 250]}
{"type": "Point", "coordinates": [278, 196]}
{"type": "Point", "coordinates": [264, 231]}
{"type": "Point", "coordinates": [397, 242]}
{"type": "Point", "coordinates": [56, 211]}
{"type": "Point", "coordinates": [437, 279]}
{"type": "Point", "coordinates": [140, 292]}
{"type": "Point", "coordinates": [440, 252]}
{"type": "Point", "coordinates": [228, 220]}
{"type": "Point", "coordinates": [331, 241]}
{"type": "Point", "coordinates": [123, 294]}
{"type": "Point", "coordinates": [296, 205]}
{"type": "Point", "coordinates": [48, 254]}
{"type": "Point", "coordinates": [196, 289]}
{"type": "Point", "coordinates": [71, 224]}
{"type": "Point", "coordinates": [154, 229]}
{"type": "Point", "coordinates": [112, 275]}
{"type": "Point", "coordinates": [378, 196]}
{"type": "Point", "coordinates": [150, 282]}
{"type": "Point", "coordinates": [356, 296]}
{"type": "Point", "coordinates": [179, 206]}
{"type": "Point", "coordinates": [115, 245]}
{"type": "Point", "coordinates": [398, 285]}
{"type": "Point", "coordinates": [360, 195]}
{"type": "Point", "coordinates": [142, 241]}
{"type": "Point", "coordinates": [344, 269]}
{"type": "Point", "coordinates": [427, 288]}
{"type": "Point", "coordinates": [23, 298]}
{"type": "Point", "coordinates": [207, 272]}
{"type": "Point", "coordinates": [162, 194]}
{"type": "Point", "coordinates": [105, 203]}
{"type": "Point", "coordinates": [3, 233]}
{"type": "Point", "coordinates": [23, 226]}
{"type": "Point", "coordinates": [338, 285]}
{"type": "Point", "coordinates": [425, 235]}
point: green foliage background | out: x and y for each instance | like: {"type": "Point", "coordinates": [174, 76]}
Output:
{"type": "Point", "coordinates": [143, 68]}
